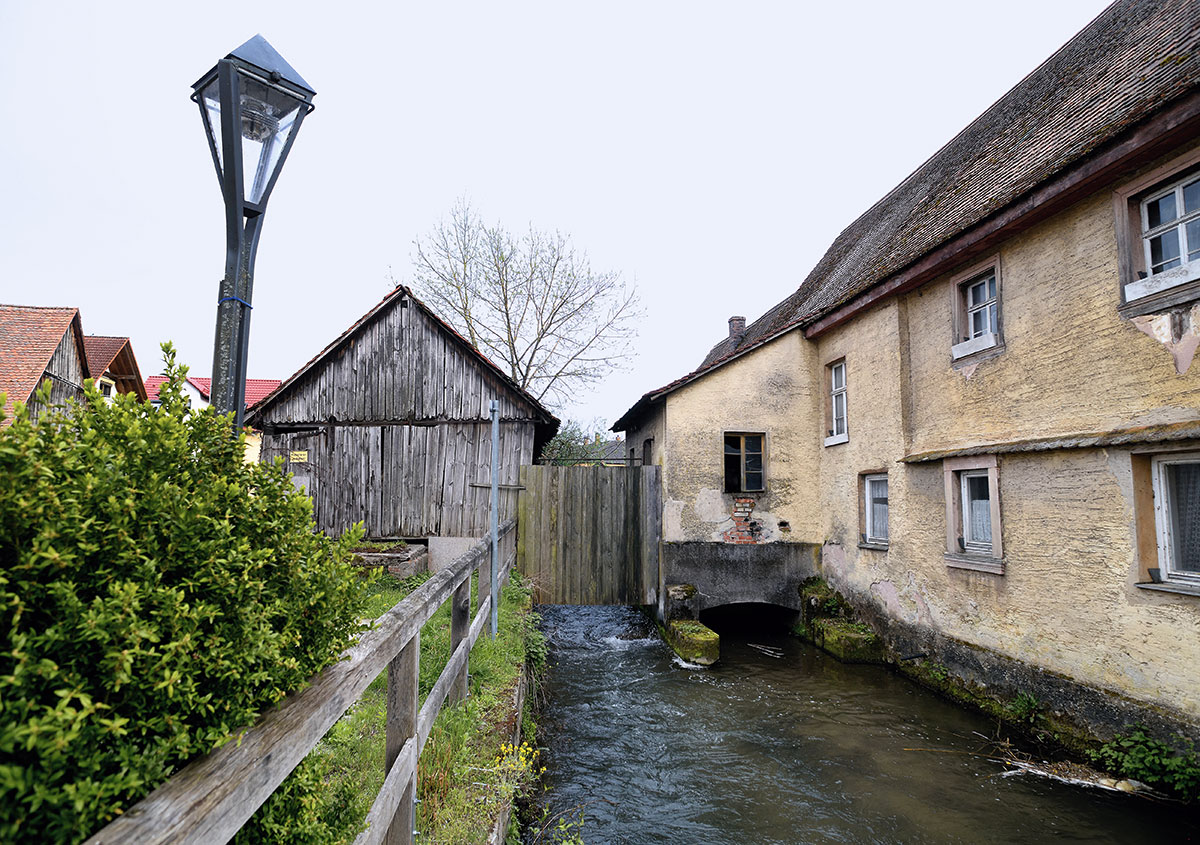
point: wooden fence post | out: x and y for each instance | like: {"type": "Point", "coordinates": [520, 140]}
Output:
{"type": "Point", "coordinates": [402, 699]}
{"type": "Point", "coordinates": [460, 625]}
{"type": "Point", "coordinates": [484, 588]}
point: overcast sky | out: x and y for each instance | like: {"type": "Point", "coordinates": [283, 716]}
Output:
{"type": "Point", "coordinates": [710, 152]}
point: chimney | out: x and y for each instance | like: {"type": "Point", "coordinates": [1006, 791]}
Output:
{"type": "Point", "coordinates": [737, 327]}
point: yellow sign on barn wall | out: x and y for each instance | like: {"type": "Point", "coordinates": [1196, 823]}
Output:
{"type": "Point", "coordinates": [298, 456]}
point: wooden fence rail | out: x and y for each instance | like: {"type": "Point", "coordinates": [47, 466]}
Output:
{"type": "Point", "coordinates": [210, 799]}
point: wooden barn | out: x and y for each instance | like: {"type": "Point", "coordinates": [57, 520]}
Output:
{"type": "Point", "coordinates": [389, 425]}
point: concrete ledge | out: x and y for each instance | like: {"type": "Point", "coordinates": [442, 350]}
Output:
{"type": "Point", "coordinates": [849, 642]}
{"type": "Point", "coordinates": [693, 641]}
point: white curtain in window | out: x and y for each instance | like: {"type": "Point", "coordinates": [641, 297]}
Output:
{"type": "Point", "coordinates": [1184, 481]}
{"type": "Point", "coordinates": [879, 508]}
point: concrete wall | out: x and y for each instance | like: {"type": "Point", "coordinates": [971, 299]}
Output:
{"type": "Point", "coordinates": [1066, 607]}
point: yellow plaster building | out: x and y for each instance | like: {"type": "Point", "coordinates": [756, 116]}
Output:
{"type": "Point", "coordinates": [983, 404]}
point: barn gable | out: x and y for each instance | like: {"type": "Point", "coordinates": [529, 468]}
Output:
{"type": "Point", "coordinates": [389, 426]}
{"type": "Point", "coordinates": [399, 363]}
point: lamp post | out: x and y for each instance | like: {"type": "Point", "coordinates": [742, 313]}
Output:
{"type": "Point", "coordinates": [252, 103]}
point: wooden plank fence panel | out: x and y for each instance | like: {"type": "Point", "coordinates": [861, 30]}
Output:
{"type": "Point", "coordinates": [591, 535]}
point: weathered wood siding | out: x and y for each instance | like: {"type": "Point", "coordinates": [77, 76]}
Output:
{"type": "Point", "coordinates": [65, 372]}
{"type": "Point", "coordinates": [395, 421]}
{"type": "Point", "coordinates": [590, 535]}
{"type": "Point", "coordinates": [405, 480]}
{"type": "Point", "coordinates": [401, 366]}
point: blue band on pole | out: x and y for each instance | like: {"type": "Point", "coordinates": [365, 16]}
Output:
{"type": "Point", "coordinates": [236, 299]}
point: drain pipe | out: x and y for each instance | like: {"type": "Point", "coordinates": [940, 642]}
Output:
{"type": "Point", "coordinates": [494, 407]}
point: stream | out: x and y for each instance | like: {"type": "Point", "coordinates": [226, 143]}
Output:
{"type": "Point", "coordinates": [781, 743]}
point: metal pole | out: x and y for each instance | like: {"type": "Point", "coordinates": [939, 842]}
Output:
{"type": "Point", "coordinates": [494, 407]}
{"type": "Point", "coordinates": [229, 308]}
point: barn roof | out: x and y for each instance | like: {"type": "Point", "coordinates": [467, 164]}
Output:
{"type": "Point", "coordinates": [28, 337]}
{"type": "Point", "coordinates": [362, 322]}
{"type": "Point", "coordinates": [1134, 60]}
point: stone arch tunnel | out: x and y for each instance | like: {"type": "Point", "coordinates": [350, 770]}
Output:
{"type": "Point", "coordinates": [702, 576]}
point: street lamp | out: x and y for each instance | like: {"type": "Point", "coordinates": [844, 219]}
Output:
{"type": "Point", "coordinates": [252, 104]}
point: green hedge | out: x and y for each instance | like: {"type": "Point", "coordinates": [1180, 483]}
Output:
{"type": "Point", "coordinates": [156, 593]}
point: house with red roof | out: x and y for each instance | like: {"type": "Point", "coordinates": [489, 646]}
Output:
{"type": "Point", "coordinates": [39, 344]}
{"type": "Point", "coordinates": [199, 389]}
{"type": "Point", "coordinates": [112, 364]}
{"type": "Point", "coordinates": [978, 417]}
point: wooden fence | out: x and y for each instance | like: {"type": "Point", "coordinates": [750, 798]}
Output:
{"type": "Point", "coordinates": [209, 800]}
{"type": "Point", "coordinates": [591, 534]}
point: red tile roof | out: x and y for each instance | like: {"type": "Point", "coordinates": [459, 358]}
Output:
{"type": "Point", "coordinates": [256, 388]}
{"type": "Point", "coordinates": [28, 337]}
{"type": "Point", "coordinates": [101, 351]}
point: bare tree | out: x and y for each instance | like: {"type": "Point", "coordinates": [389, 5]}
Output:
{"type": "Point", "coordinates": [532, 304]}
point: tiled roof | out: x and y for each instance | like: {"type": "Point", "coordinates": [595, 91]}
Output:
{"type": "Point", "coordinates": [101, 351]}
{"type": "Point", "coordinates": [256, 388]}
{"type": "Point", "coordinates": [1136, 58]}
{"type": "Point", "coordinates": [153, 383]}
{"type": "Point", "coordinates": [28, 337]}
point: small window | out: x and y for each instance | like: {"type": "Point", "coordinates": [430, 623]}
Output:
{"type": "Point", "coordinates": [1171, 226]}
{"type": "Point", "coordinates": [838, 432]}
{"type": "Point", "coordinates": [875, 510]}
{"type": "Point", "coordinates": [976, 512]}
{"type": "Point", "coordinates": [744, 463]}
{"type": "Point", "coordinates": [1158, 237]}
{"type": "Point", "coordinates": [1177, 516]}
{"type": "Point", "coordinates": [976, 312]}
{"type": "Point", "coordinates": [973, 514]}
{"type": "Point", "coordinates": [648, 452]}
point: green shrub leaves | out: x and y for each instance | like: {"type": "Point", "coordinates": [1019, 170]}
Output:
{"type": "Point", "coordinates": [156, 593]}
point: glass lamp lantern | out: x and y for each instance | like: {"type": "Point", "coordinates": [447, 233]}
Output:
{"type": "Point", "coordinates": [268, 101]}
{"type": "Point", "coordinates": [252, 104]}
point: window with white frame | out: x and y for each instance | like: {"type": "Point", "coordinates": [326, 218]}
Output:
{"type": "Point", "coordinates": [1177, 515]}
{"type": "Point", "coordinates": [744, 470]}
{"type": "Point", "coordinates": [838, 430]}
{"type": "Point", "coordinates": [1158, 236]}
{"type": "Point", "coordinates": [875, 509]}
{"type": "Point", "coordinates": [977, 311]}
{"type": "Point", "coordinates": [1171, 226]}
{"type": "Point", "coordinates": [973, 513]}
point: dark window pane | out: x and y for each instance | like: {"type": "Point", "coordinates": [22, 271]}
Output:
{"type": "Point", "coordinates": [753, 443]}
{"type": "Point", "coordinates": [1164, 250]}
{"type": "Point", "coordinates": [1183, 483]}
{"type": "Point", "coordinates": [733, 474]}
{"type": "Point", "coordinates": [1191, 196]}
{"type": "Point", "coordinates": [1161, 210]}
{"type": "Point", "coordinates": [733, 444]}
{"type": "Point", "coordinates": [1193, 239]}
{"type": "Point", "coordinates": [753, 463]}
{"type": "Point", "coordinates": [754, 481]}
{"type": "Point", "coordinates": [992, 288]}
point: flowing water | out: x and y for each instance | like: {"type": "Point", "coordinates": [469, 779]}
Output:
{"type": "Point", "coordinates": [780, 743]}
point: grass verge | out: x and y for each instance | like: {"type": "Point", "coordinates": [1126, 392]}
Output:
{"type": "Point", "coordinates": [468, 772]}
